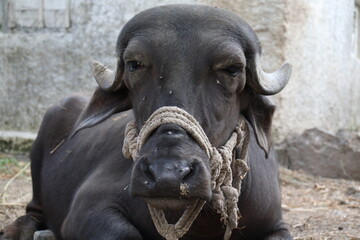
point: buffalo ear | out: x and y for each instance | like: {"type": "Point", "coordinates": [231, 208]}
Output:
{"type": "Point", "coordinates": [101, 106]}
{"type": "Point", "coordinates": [259, 113]}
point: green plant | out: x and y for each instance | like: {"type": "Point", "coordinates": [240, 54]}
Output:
{"type": "Point", "coordinates": [9, 166]}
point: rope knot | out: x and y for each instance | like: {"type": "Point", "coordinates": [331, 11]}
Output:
{"type": "Point", "coordinates": [226, 171]}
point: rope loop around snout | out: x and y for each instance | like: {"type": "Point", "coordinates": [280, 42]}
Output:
{"type": "Point", "coordinates": [227, 172]}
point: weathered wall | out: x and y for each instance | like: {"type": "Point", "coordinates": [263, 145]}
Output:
{"type": "Point", "coordinates": [324, 94]}
{"type": "Point", "coordinates": [324, 91]}
{"type": "Point", "coordinates": [40, 67]}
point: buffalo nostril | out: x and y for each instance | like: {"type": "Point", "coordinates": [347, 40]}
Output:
{"type": "Point", "coordinates": [149, 172]}
{"type": "Point", "coordinates": [161, 172]}
{"type": "Point", "coordinates": [186, 173]}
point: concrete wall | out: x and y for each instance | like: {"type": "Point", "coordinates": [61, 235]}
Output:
{"type": "Point", "coordinates": [325, 88]}
{"type": "Point", "coordinates": [38, 67]}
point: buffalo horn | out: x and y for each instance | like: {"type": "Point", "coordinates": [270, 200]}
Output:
{"type": "Point", "coordinates": [271, 83]}
{"type": "Point", "coordinates": [105, 77]}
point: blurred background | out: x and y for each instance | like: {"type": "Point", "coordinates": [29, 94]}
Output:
{"type": "Point", "coordinates": [46, 47]}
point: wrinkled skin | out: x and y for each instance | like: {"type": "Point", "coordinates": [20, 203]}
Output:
{"type": "Point", "coordinates": [200, 59]}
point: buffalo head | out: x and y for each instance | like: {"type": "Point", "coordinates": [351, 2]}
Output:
{"type": "Point", "coordinates": [201, 59]}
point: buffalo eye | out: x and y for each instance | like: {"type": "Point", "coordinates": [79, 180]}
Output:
{"type": "Point", "coordinates": [233, 70]}
{"type": "Point", "coordinates": [134, 65]}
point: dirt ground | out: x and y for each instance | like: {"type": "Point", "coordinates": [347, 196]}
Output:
{"type": "Point", "coordinates": [314, 207]}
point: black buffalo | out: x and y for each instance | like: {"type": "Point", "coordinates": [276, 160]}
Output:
{"type": "Point", "coordinates": [201, 59]}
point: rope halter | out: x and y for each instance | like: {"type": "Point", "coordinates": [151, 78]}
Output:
{"type": "Point", "coordinates": [227, 172]}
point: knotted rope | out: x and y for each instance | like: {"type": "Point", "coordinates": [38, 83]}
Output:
{"type": "Point", "coordinates": [227, 172]}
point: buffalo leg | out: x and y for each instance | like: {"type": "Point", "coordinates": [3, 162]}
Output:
{"type": "Point", "coordinates": [22, 228]}
{"type": "Point", "coordinates": [99, 225]}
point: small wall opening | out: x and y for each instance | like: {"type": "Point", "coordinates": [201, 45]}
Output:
{"type": "Point", "coordinates": [34, 14]}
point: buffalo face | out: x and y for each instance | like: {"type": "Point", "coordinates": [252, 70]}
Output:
{"type": "Point", "coordinates": [196, 68]}
{"type": "Point", "coordinates": [201, 59]}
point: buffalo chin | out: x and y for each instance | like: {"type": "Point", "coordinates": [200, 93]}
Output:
{"type": "Point", "coordinates": [173, 204]}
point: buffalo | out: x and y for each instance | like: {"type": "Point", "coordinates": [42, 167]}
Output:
{"type": "Point", "coordinates": [174, 144]}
